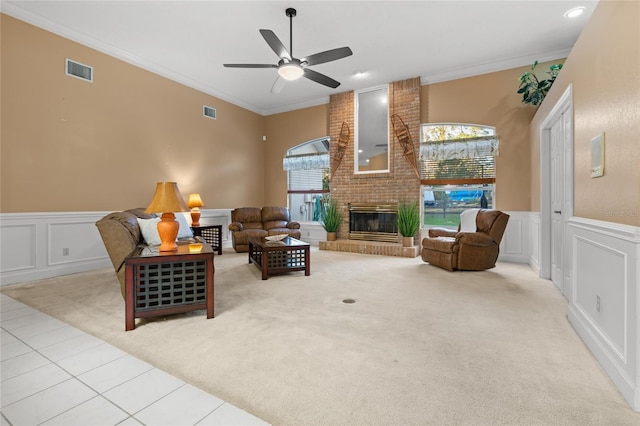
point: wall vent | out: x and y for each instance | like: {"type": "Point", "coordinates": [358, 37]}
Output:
{"type": "Point", "coordinates": [208, 111]}
{"type": "Point", "coordinates": [78, 70]}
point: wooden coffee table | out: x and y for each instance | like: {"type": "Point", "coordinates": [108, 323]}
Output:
{"type": "Point", "coordinates": [287, 255]}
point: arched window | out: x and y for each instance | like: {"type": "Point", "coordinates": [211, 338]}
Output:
{"type": "Point", "coordinates": [458, 172]}
{"type": "Point", "coordinates": [308, 167]}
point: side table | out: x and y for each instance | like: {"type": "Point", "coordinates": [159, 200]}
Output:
{"type": "Point", "coordinates": [212, 234]}
{"type": "Point", "coordinates": [164, 283]}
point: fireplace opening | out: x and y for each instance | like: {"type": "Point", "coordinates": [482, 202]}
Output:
{"type": "Point", "coordinates": [373, 222]}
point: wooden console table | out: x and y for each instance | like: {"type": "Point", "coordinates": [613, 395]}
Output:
{"type": "Point", "coordinates": [167, 283]}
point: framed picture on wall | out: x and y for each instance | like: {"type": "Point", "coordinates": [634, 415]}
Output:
{"type": "Point", "coordinates": [597, 156]}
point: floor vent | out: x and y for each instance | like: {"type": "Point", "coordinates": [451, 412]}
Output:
{"type": "Point", "coordinates": [78, 70]}
{"type": "Point", "coordinates": [208, 111]}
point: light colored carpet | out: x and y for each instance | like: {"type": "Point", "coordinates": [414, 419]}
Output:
{"type": "Point", "coordinates": [420, 345]}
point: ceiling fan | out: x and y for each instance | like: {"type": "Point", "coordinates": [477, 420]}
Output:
{"type": "Point", "coordinates": [292, 68]}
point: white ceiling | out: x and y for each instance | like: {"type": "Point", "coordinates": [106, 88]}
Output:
{"type": "Point", "coordinates": [188, 41]}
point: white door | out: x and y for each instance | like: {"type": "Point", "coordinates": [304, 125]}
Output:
{"type": "Point", "coordinates": [556, 141]}
{"type": "Point", "coordinates": [556, 193]}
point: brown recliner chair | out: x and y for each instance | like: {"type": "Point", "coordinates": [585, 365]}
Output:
{"type": "Point", "coordinates": [470, 251]}
{"type": "Point", "coordinates": [254, 222]}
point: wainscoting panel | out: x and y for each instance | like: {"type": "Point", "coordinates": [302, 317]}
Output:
{"type": "Point", "coordinates": [43, 245]}
{"type": "Point", "coordinates": [65, 246]}
{"type": "Point", "coordinates": [604, 301]}
{"type": "Point", "coordinates": [515, 245]}
{"type": "Point", "coordinates": [312, 233]}
{"type": "Point", "coordinates": [534, 241]}
{"type": "Point", "coordinates": [18, 247]}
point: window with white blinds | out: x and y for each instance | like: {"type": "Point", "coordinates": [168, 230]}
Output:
{"type": "Point", "coordinates": [457, 170]}
{"type": "Point", "coordinates": [305, 180]}
{"type": "Point", "coordinates": [307, 167]}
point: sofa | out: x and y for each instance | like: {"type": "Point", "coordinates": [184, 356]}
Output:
{"type": "Point", "coordinates": [474, 249]}
{"type": "Point", "coordinates": [255, 222]}
{"type": "Point", "coordinates": [122, 232]}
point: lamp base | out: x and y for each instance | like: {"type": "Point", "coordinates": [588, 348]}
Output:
{"type": "Point", "coordinates": [195, 218]}
{"type": "Point", "coordinates": [168, 231]}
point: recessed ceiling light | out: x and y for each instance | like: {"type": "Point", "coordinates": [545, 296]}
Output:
{"type": "Point", "coordinates": [575, 12]}
{"type": "Point", "coordinates": [359, 74]}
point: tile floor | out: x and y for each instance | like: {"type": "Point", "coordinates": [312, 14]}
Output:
{"type": "Point", "coordinates": [54, 374]}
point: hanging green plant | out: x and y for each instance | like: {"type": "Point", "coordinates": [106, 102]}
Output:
{"type": "Point", "coordinates": [534, 89]}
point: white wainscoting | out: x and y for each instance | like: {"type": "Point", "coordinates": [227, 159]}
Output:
{"type": "Point", "coordinates": [604, 305]}
{"type": "Point", "coordinates": [534, 241]}
{"type": "Point", "coordinates": [515, 246]}
{"type": "Point", "coordinates": [312, 233]}
{"type": "Point", "coordinates": [35, 246]}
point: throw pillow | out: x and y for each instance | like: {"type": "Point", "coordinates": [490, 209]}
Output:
{"type": "Point", "coordinates": [149, 230]}
{"type": "Point", "coordinates": [185, 229]}
{"type": "Point", "coordinates": [468, 220]}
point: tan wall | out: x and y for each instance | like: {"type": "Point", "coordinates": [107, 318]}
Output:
{"type": "Point", "coordinates": [604, 69]}
{"type": "Point", "coordinates": [491, 99]}
{"type": "Point", "coordinates": [70, 145]}
{"type": "Point", "coordinates": [284, 131]}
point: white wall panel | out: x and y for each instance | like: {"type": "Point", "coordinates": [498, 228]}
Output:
{"type": "Point", "coordinates": [18, 247]}
{"type": "Point", "coordinates": [601, 296]}
{"type": "Point", "coordinates": [604, 259]}
{"type": "Point", "coordinates": [312, 233]}
{"type": "Point", "coordinates": [514, 246]}
{"type": "Point", "coordinates": [74, 242]}
{"type": "Point", "coordinates": [534, 241]}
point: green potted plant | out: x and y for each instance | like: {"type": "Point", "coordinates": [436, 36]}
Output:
{"type": "Point", "coordinates": [408, 219]}
{"type": "Point", "coordinates": [331, 219]}
{"type": "Point", "coordinates": [534, 89]}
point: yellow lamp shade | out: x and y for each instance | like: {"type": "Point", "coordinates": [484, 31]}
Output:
{"type": "Point", "coordinates": [195, 200]}
{"type": "Point", "coordinates": [167, 198]}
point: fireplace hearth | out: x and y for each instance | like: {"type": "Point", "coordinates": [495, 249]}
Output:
{"type": "Point", "coordinates": [373, 222]}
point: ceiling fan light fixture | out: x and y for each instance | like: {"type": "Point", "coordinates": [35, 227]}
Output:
{"type": "Point", "coordinates": [290, 71]}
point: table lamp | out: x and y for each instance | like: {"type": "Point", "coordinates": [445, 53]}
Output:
{"type": "Point", "coordinates": [194, 203]}
{"type": "Point", "coordinates": [167, 200]}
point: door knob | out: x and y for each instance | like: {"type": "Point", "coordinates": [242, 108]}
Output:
{"type": "Point", "coordinates": [558, 211]}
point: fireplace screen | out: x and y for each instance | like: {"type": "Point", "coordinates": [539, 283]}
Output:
{"type": "Point", "coordinates": [373, 222]}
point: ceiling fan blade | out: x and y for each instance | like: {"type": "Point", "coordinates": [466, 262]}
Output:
{"type": "Point", "coordinates": [327, 56]}
{"type": "Point", "coordinates": [278, 85]}
{"type": "Point", "coordinates": [320, 78]}
{"type": "Point", "coordinates": [250, 66]}
{"type": "Point", "coordinates": [275, 44]}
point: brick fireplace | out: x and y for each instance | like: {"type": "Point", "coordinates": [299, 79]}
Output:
{"type": "Point", "coordinates": [400, 183]}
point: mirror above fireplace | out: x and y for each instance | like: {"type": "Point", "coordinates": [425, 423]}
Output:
{"type": "Point", "coordinates": [371, 135]}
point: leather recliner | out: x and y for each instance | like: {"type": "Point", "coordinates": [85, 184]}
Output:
{"type": "Point", "coordinates": [255, 222]}
{"type": "Point", "coordinates": [470, 251]}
